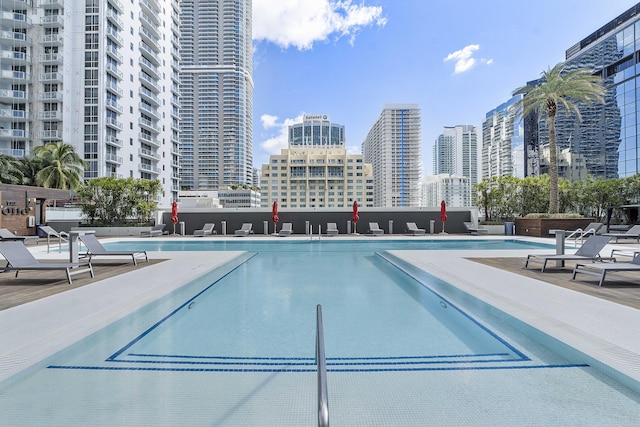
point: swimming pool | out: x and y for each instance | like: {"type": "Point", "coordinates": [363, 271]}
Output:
{"type": "Point", "coordinates": [236, 348]}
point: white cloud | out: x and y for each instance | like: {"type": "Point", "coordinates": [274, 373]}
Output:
{"type": "Point", "coordinates": [464, 58]}
{"type": "Point", "coordinates": [280, 141]}
{"type": "Point", "coordinates": [268, 121]}
{"type": "Point", "coordinates": [301, 23]}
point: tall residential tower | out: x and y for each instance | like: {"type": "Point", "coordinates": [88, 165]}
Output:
{"type": "Point", "coordinates": [456, 152]}
{"type": "Point", "coordinates": [217, 94]}
{"type": "Point", "coordinates": [100, 75]}
{"type": "Point", "coordinates": [392, 146]}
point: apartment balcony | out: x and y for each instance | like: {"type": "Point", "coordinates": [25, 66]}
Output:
{"type": "Point", "coordinates": [117, 5]}
{"type": "Point", "coordinates": [52, 40]}
{"type": "Point", "coordinates": [149, 140]}
{"type": "Point", "coordinates": [51, 58]}
{"type": "Point", "coordinates": [14, 39]}
{"type": "Point", "coordinates": [50, 115]}
{"type": "Point", "coordinates": [112, 140]}
{"type": "Point", "coordinates": [148, 154]}
{"type": "Point", "coordinates": [113, 53]}
{"type": "Point", "coordinates": [50, 134]}
{"type": "Point", "coordinates": [151, 40]}
{"type": "Point", "coordinates": [148, 81]}
{"type": "Point", "coordinates": [50, 96]}
{"type": "Point", "coordinates": [148, 125]}
{"type": "Point", "coordinates": [113, 88]}
{"type": "Point", "coordinates": [14, 115]}
{"type": "Point", "coordinates": [149, 96]}
{"type": "Point", "coordinates": [16, 76]}
{"type": "Point", "coordinates": [149, 111]}
{"type": "Point", "coordinates": [151, 12]}
{"type": "Point", "coordinates": [114, 106]}
{"type": "Point", "coordinates": [113, 123]}
{"type": "Point", "coordinates": [14, 20]}
{"type": "Point", "coordinates": [9, 96]}
{"type": "Point", "coordinates": [18, 58]}
{"type": "Point", "coordinates": [114, 19]}
{"type": "Point", "coordinates": [51, 77]}
{"type": "Point", "coordinates": [113, 70]}
{"type": "Point", "coordinates": [14, 152]}
{"type": "Point", "coordinates": [149, 53]}
{"type": "Point", "coordinates": [112, 158]}
{"type": "Point", "coordinates": [52, 21]}
{"type": "Point", "coordinates": [51, 4]}
{"type": "Point", "coordinates": [14, 134]}
{"type": "Point", "coordinates": [142, 167]}
{"type": "Point", "coordinates": [149, 68]}
{"type": "Point", "coordinates": [112, 34]}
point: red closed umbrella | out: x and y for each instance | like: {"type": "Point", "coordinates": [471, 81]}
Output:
{"type": "Point", "coordinates": [274, 215]}
{"type": "Point", "coordinates": [174, 215]}
{"type": "Point", "coordinates": [355, 216]}
{"type": "Point", "coordinates": [443, 213]}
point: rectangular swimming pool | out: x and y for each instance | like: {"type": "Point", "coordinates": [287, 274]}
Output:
{"type": "Point", "coordinates": [237, 347]}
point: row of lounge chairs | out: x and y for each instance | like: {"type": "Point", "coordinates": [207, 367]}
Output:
{"type": "Point", "coordinates": [589, 259]}
{"type": "Point", "coordinates": [331, 230]}
{"type": "Point", "coordinates": [19, 258]}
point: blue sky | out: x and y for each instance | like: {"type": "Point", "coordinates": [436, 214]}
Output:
{"type": "Point", "coordinates": [457, 59]}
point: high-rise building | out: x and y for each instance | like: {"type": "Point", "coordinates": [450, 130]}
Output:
{"type": "Point", "coordinates": [393, 147]}
{"type": "Point", "coordinates": [456, 153]}
{"type": "Point", "coordinates": [100, 75]}
{"type": "Point", "coordinates": [216, 134]}
{"type": "Point", "coordinates": [453, 189]}
{"type": "Point", "coordinates": [316, 171]}
{"type": "Point", "coordinates": [606, 143]}
{"type": "Point", "coordinates": [503, 144]}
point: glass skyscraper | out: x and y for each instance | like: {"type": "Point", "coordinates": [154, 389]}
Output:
{"type": "Point", "coordinates": [216, 138]}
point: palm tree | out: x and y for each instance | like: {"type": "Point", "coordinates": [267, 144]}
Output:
{"type": "Point", "coordinates": [9, 173]}
{"type": "Point", "coordinates": [63, 168]}
{"type": "Point", "coordinates": [559, 87]}
{"type": "Point", "coordinates": [29, 168]}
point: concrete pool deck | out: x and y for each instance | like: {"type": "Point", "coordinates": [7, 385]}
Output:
{"type": "Point", "coordinates": [604, 331]}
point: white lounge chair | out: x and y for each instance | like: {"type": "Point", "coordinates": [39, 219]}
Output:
{"type": "Point", "coordinates": [207, 230]}
{"type": "Point", "coordinates": [19, 258]}
{"type": "Point", "coordinates": [332, 229]}
{"type": "Point", "coordinates": [412, 228]}
{"type": "Point", "coordinates": [598, 269]}
{"type": "Point", "coordinates": [95, 248]}
{"type": "Point", "coordinates": [157, 230]}
{"type": "Point", "coordinates": [375, 229]}
{"type": "Point", "coordinates": [632, 233]}
{"type": "Point", "coordinates": [286, 229]}
{"type": "Point", "coordinates": [474, 230]}
{"type": "Point", "coordinates": [589, 251]}
{"type": "Point", "coordinates": [6, 235]}
{"type": "Point", "coordinates": [245, 230]}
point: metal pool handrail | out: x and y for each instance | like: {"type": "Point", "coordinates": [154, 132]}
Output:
{"type": "Point", "coordinates": [323, 401]}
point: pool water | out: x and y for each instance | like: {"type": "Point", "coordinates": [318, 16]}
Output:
{"type": "Point", "coordinates": [236, 347]}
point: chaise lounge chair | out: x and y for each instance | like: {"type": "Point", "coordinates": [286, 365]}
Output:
{"type": "Point", "coordinates": [632, 233]}
{"type": "Point", "coordinates": [245, 230]}
{"type": "Point", "coordinates": [474, 230]}
{"type": "Point", "coordinates": [602, 269]}
{"type": "Point", "coordinates": [412, 228]}
{"type": "Point", "coordinates": [95, 248]}
{"type": "Point", "coordinates": [285, 230]}
{"type": "Point", "coordinates": [332, 229]}
{"type": "Point", "coordinates": [207, 230]}
{"type": "Point", "coordinates": [50, 232]}
{"type": "Point", "coordinates": [589, 251]}
{"type": "Point", "coordinates": [19, 258]}
{"type": "Point", "coordinates": [157, 230]}
{"type": "Point", "coordinates": [6, 235]}
{"type": "Point", "coordinates": [375, 229]}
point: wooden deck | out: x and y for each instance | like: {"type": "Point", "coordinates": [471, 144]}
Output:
{"type": "Point", "coordinates": [32, 285]}
{"type": "Point", "coordinates": [621, 288]}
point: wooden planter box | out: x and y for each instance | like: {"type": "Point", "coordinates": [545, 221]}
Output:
{"type": "Point", "coordinates": [540, 227]}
